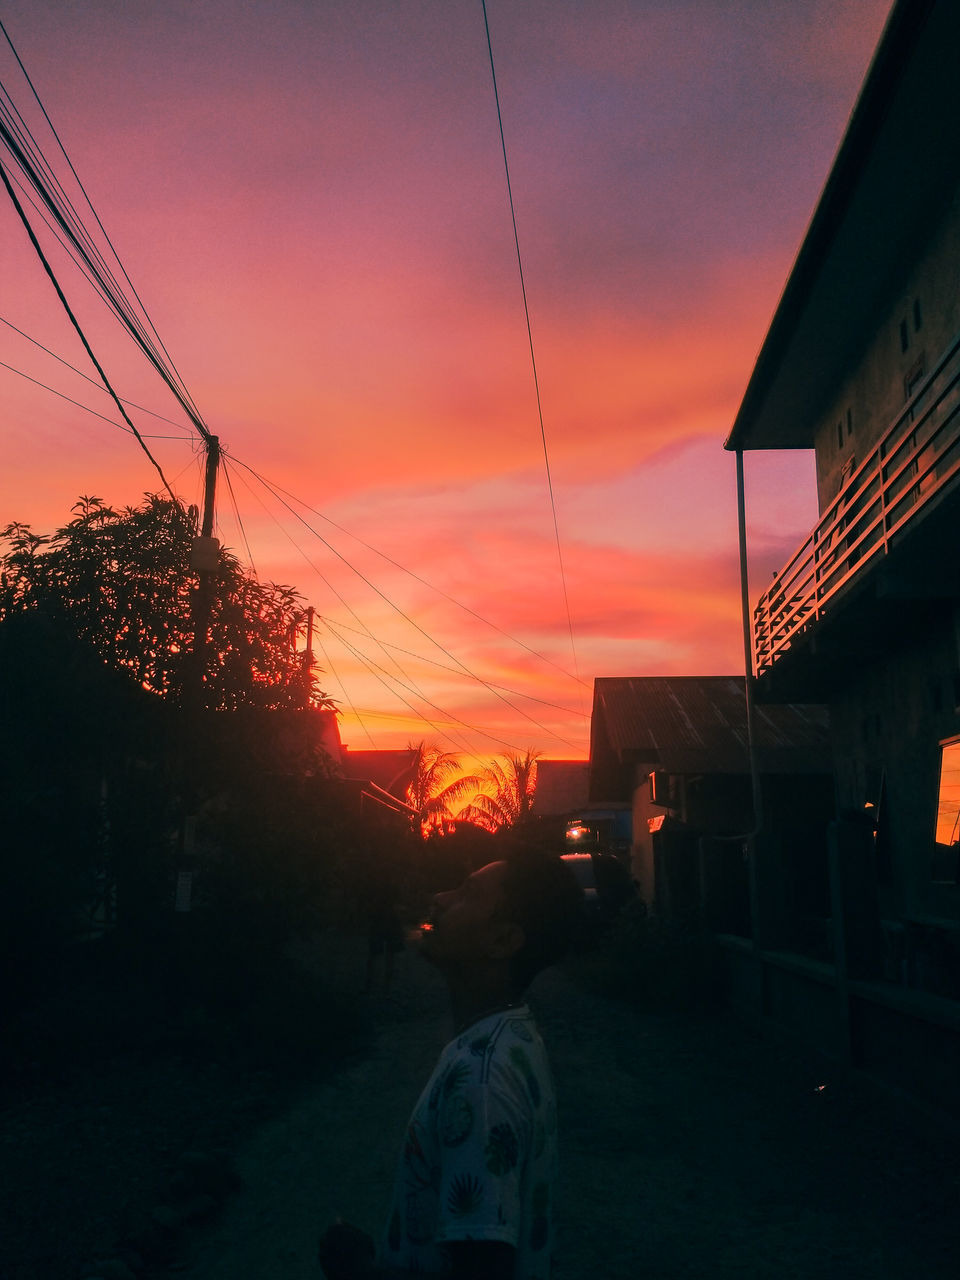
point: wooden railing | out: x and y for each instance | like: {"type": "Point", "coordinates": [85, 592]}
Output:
{"type": "Point", "coordinates": [916, 459]}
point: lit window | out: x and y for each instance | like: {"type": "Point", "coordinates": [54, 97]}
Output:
{"type": "Point", "coordinates": [947, 852]}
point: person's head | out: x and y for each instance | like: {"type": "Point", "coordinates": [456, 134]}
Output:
{"type": "Point", "coordinates": [516, 917]}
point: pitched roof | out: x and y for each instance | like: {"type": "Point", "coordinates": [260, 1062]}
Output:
{"type": "Point", "coordinates": [698, 724]}
{"type": "Point", "coordinates": [562, 786]}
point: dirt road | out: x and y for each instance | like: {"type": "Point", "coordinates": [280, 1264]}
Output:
{"type": "Point", "coordinates": [691, 1148]}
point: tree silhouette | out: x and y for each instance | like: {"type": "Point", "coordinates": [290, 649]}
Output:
{"type": "Point", "coordinates": [121, 582]}
{"type": "Point", "coordinates": [509, 785]}
{"type": "Point", "coordinates": [438, 783]}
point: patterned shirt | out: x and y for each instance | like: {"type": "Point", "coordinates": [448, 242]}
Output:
{"type": "Point", "coordinates": [479, 1160]}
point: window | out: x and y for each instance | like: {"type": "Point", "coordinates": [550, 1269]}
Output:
{"type": "Point", "coordinates": [904, 335]}
{"type": "Point", "coordinates": [946, 857]}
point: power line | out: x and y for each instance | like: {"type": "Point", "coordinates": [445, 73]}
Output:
{"type": "Point", "coordinates": [354, 710]}
{"type": "Point", "coordinates": [363, 658]}
{"type": "Point", "coordinates": [533, 358]}
{"type": "Point", "coordinates": [80, 374]}
{"type": "Point", "coordinates": [472, 727]}
{"type": "Point", "coordinates": [467, 671]}
{"type": "Point", "coordinates": [86, 408]}
{"type": "Point", "coordinates": [236, 510]}
{"type": "Point", "coordinates": [66, 226]}
{"type": "Point", "coordinates": [29, 158]}
{"type": "Point", "coordinates": [326, 657]}
{"type": "Point", "coordinates": [423, 581]}
{"type": "Point", "coordinates": [453, 670]}
{"type": "Point", "coordinates": [368, 546]}
{"type": "Point", "coordinates": [90, 205]}
{"type": "Point", "coordinates": [73, 320]}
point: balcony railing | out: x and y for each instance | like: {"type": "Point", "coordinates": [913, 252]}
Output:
{"type": "Point", "coordinates": [916, 459]}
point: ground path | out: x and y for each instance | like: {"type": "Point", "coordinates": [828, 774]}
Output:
{"type": "Point", "coordinates": [691, 1148]}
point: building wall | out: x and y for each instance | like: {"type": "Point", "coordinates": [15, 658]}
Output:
{"type": "Point", "coordinates": [641, 850]}
{"type": "Point", "coordinates": [672, 876]}
{"type": "Point", "coordinates": [869, 401]}
{"type": "Point", "coordinates": [889, 723]}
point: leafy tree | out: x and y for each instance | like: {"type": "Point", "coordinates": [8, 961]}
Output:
{"type": "Point", "coordinates": [438, 783]}
{"type": "Point", "coordinates": [121, 582]}
{"type": "Point", "coordinates": [509, 785]}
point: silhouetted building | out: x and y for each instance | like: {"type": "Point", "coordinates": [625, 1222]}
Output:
{"type": "Point", "coordinates": [675, 748]}
{"type": "Point", "coordinates": [379, 777]}
{"type": "Point", "coordinates": [562, 787]}
{"type": "Point", "coordinates": [862, 364]}
{"type": "Point", "coordinates": [569, 820]}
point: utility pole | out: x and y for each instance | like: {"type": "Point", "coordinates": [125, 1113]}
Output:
{"type": "Point", "coordinates": [204, 559]}
{"type": "Point", "coordinates": [308, 657]}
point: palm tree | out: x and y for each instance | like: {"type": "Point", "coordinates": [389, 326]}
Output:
{"type": "Point", "coordinates": [508, 791]}
{"type": "Point", "coordinates": [437, 784]}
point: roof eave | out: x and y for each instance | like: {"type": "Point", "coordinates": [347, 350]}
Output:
{"type": "Point", "coordinates": [770, 416]}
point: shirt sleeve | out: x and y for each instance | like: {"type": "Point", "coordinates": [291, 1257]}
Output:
{"type": "Point", "coordinates": [485, 1134]}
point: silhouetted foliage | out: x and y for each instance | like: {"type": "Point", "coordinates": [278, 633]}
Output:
{"type": "Point", "coordinates": [107, 768]}
{"type": "Point", "coordinates": [122, 582]}
{"type": "Point", "coordinates": [438, 784]}
{"type": "Point", "coordinates": [506, 801]}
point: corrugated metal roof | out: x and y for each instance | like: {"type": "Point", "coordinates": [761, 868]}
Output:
{"type": "Point", "coordinates": [698, 724]}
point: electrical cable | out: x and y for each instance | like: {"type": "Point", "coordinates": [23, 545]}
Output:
{"type": "Point", "coordinates": [533, 358]}
{"type": "Point", "coordinates": [67, 227]}
{"type": "Point", "coordinates": [363, 658]}
{"type": "Point", "coordinates": [29, 156]}
{"type": "Point", "coordinates": [188, 434]}
{"type": "Point", "coordinates": [90, 205]}
{"type": "Point", "coordinates": [330, 587]}
{"type": "Point", "coordinates": [86, 408]}
{"type": "Point", "coordinates": [73, 320]}
{"type": "Point", "coordinates": [336, 628]}
{"type": "Point", "coordinates": [395, 563]}
{"type": "Point", "coordinates": [463, 667]}
{"type": "Point", "coordinates": [353, 709]}
{"type": "Point", "coordinates": [456, 719]}
{"type": "Point", "coordinates": [243, 534]}
{"type": "Point", "coordinates": [123, 311]}
{"type": "Point", "coordinates": [236, 510]}
{"type": "Point", "coordinates": [423, 581]}
{"type": "Point", "coordinates": [420, 657]}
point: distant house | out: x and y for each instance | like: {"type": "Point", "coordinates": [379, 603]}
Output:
{"type": "Point", "coordinates": [563, 787]}
{"type": "Point", "coordinates": [569, 820]}
{"type": "Point", "coordinates": [379, 777]}
{"type": "Point", "coordinates": [676, 748]}
{"type": "Point", "coordinates": [862, 365]}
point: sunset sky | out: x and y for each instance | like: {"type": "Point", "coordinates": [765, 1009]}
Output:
{"type": "Point", "coordinates": [309, 197]}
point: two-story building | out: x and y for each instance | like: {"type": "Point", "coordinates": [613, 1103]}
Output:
{"type": "Point", "coordinates": [862, 364]}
